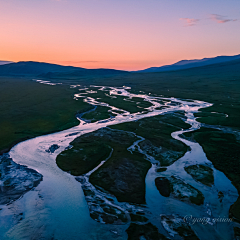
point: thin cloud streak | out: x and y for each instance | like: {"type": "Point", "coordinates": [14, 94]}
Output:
{"type": "Point", "coordinates": [190, 21]}
{"type": "Point", "coordinates": [221, 19]}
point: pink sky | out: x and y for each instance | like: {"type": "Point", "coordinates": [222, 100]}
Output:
{"type": "Point", "coordinates": [122, 34]}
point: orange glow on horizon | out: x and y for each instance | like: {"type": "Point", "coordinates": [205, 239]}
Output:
{"type": "Point", "coordinates": [115, 34]}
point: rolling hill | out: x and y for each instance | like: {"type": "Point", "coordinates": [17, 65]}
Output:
{"type": "Point", "coordinates": [4, 62]}
{"type": "Point", "coordinates": [49, 70]}
{"type": "Point", "coordinates": [186, 64]}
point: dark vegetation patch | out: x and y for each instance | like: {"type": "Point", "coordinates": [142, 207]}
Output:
{"type": "Point", "coordinates": [131, 105]}
{"type": "Point", "coordinates": [162, 169]}
{"type": "Point", "coordinates": [157, 133]}
{"type": "Point", "coordinates": [122, 175]}
{"type": "Point", "coordinates": [138, 218]}
{"type": "Point", "coordinates": [201, 173]}
{"type": "Point", "coordinates": [146, 231]}
{"type": "Point", "coordinates": [208, 117]}
{"type": "Point", "coordinates": [237, 232]}
{"type": "Point", "coordinates": [176, 188]}
{"type": "Point", "coordinates": [141, 103]}
{"type": "Point", "coordinates": [223, 150]}
{"type": "Point", "coordinates": [100, 113]}
{"type": "Point", "coordinates": [227, 114]}
{"type": "Point", "coordinates": [178, 225]}
{"type": "Point", "coordinates": [83, 156]}
{"type": "Point", "coordinates": [163, 186]}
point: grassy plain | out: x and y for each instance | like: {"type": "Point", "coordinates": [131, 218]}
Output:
{"type": "Point", "coordinates": [29, 109]}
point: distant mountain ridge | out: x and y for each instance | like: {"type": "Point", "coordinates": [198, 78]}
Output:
{"type": "Point", "coordinates": [49, 70]}
{"type": "Point", "coordinates": [186, 64]}
{"type": "Point", "coordinates": [52, 71]}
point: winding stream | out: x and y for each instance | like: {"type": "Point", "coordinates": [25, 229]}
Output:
{"type": "Point", "coordinates": [56, 208]}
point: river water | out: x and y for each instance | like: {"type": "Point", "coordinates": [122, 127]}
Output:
{"type": "Point", "coordinates": [56, 208]}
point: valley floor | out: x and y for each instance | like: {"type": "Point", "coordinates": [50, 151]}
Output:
{"type": "Point", "coordinates": [147, 171]}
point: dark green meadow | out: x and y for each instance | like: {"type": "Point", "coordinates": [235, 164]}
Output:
{"type": "Point", "coordinates": [98, 114]}
{"type": "Point", "coordinates": [29, 109]}
{"type": "Point", "coordinates": [123, 174]}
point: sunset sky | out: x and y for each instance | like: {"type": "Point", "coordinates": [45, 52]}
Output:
{"type": "Point", "coordinates": [120, 34]}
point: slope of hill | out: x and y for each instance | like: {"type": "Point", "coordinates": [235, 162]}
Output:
{"type": "Point", "coordinates": [32, 68]}
{"type": "Point", "coordinates": [48, 69]}
{"type": "Point", "coordinates": [81, 73]}
{"type": "Point", "coordinates": [4, 62]}
{"type": "Point", "coordinates": [185, 64]}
